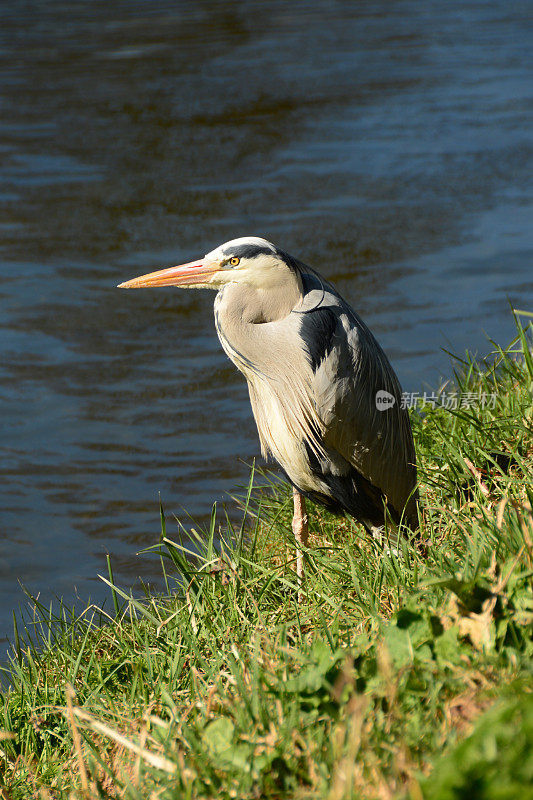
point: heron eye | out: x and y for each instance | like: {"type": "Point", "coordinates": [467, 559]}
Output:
{"type": "Point", "coordinates": [234, 261]}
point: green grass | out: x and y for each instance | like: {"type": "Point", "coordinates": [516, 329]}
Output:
{"type": "Point", "coordinates": [403, 676]}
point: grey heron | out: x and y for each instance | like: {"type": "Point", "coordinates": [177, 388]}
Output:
{"type": "Point", "coordinates": [325, 398]}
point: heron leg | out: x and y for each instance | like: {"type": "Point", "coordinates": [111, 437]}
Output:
{"type": "Point", "coordinates": [300, 530]}
{"type": "Point", "coordinates": [388, 539]}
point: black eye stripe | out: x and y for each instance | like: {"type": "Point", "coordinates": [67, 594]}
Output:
{"type": "Point", "coordinates": [249, 251]}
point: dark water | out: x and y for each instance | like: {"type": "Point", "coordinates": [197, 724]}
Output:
{"type": "Point", "coordinates": [386, 143]}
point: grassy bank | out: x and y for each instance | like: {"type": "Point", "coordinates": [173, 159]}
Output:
{"type": "Point", "coordinates": [402, 675]}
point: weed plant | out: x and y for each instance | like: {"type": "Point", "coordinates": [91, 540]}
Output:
{"type": "Point", "coordinates": [387, 675]}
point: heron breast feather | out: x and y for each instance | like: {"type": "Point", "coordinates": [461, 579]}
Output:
{"type": "Point", "coordinates": [282, 434]}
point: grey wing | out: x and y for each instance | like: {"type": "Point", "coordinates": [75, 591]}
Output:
{"type": "Point", "coordinates": [348, 373]}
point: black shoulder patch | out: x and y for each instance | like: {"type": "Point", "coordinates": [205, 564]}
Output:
{"type": "Point", "coordinates": [249, 251]}
{"type": "Point", "coordinates": [316, 330]}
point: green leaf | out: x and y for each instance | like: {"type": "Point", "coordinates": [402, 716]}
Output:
{"type": "Point", "coordinates": [218, 735]}
{"type": "Point", "coordinates": [448, 646]}
{"type": "Point", "coordinates": [407, 637]}
{"type": "Point", "coordinates": [494, 763]}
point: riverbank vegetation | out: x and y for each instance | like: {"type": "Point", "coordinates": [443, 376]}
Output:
{"type": "Point", "coordinates": [395, 674]}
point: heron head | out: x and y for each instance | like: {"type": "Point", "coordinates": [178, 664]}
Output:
{"type": "Point", "coordinates": [248, 260]}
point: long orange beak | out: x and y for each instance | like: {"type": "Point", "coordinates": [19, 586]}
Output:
{"type": "Point", "coordinates": [190, 274]}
